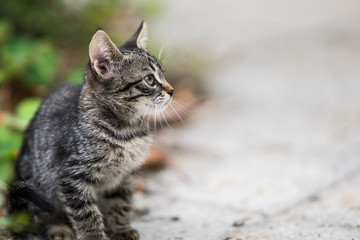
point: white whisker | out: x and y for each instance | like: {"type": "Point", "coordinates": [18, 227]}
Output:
{"type": "Point", "coordinates": [166, 59]}
{"type": "Point", "coordinates": [183, 109]}
{"type": "Point", "coordinates": [163, 115]}
{"type": "Point", "coordinates": [142, 120]}
{"type": "Point", "coordinates": [177, 114]}
{"type": "Point", "coordinates": [155, 118]}
{"type": "Point", "coordinates": [161, 50]}
{"type": "Point", "coordinates": [148, 123]}
{"type": "Point", "coordinates": [162, 128]}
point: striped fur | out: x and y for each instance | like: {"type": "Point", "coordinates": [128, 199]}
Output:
{"type": "Point", "coordinates": [85, 141]}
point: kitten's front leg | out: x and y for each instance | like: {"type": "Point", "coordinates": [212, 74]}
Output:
{"type": "Point", "coordinates": [81, 209]}
{"type": "Point", "coordinates": [116, 206]}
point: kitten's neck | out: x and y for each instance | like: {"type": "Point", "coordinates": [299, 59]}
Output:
{"type": "Point", "coordinates": [100, 122]}
{"type": "Point", "coordinates": [92, 108]}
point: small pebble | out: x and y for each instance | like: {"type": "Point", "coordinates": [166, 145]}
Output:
{"type": "Point", "coordinates": [238, 223]}
{"type": "Point", "coordinates": [141, 211]}
{"type": "Point", "coordinates": [175, 219]}
{"type": "Point", "coordinates": [314, 198]}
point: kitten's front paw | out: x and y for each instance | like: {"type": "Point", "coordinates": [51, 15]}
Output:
{"type": "Point", "coordinates": [59, 232]}
{"type": "Point", "coordinates": [128, 234]}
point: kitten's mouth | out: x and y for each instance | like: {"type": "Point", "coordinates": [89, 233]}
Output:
{"type": "Point", "coordinates": [159, 104]}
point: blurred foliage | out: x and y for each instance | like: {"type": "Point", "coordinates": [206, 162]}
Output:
{"type": "Point", "coordinates": [26, 109]}
{"type": "Point", "coordinates": [31, 62]}
{"type": "Point", "coordinates": [10, 142]}
{"type": "Point", "coordinates": [17, 222]}
{"type": "Point", "coordinates": [37, 36]}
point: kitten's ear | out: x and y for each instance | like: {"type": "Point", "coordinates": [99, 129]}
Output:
{"type": "Point", "coordinates": [139, 38]}
{"type": "Point", "coordinates": [102, 51]}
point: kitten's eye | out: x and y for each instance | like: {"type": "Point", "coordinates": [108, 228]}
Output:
{"type": "Point", "coordinates": [150, 79]}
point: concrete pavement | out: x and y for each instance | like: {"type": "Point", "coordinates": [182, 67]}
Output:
{"type": "Point", "coordinates": [275, 152]}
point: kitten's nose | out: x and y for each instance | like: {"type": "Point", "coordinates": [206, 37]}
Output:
{"type": "Point", "coordinates": [171, 92]}
{"type": "Point", "coordinates": [168, 89]}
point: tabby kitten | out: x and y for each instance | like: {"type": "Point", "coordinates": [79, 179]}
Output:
{"type": "Point", "coordinates": [74, 169]}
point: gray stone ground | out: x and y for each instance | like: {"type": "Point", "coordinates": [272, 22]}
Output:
{"type": "Point", "coordinates": [275, 152]}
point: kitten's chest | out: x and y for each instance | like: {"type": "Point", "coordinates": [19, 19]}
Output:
{"type": "Point", "coordinates": [134, 150]}
{"type": "Point", "coordinates": [119, 162]}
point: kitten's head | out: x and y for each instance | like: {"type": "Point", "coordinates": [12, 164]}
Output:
{"type": "Point", "coordinates": [127, 76]}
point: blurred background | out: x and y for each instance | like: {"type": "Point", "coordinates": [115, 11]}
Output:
{"type": "Point", "coordinates": [264, 137]}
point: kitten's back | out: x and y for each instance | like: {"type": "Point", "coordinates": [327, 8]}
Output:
{"type": "Point", "coordinates": [54, 114]}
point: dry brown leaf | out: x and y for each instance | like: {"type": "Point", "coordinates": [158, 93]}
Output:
{"type": "Point", "coordinates": [157, 159]}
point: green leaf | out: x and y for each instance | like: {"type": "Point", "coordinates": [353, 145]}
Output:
{"type": "Point", "coordinates": [16, 222]}
{"type": "Point", "coordinates": [42, 69]}
{"type": "Point", "coordinates": [2, 76]}
{"type": "Point", "coordinates": [9, 141]}
{"type": "Point", "coordinates": [5, 31]}
{"type": "Point", "coordinates": [76, 76]}
{"type": "Point", "coordinates": [31, 61]}
{"type": "Point", "coordinates": [15, 58]}
{"type": "Point", "coordinates": [17, 52]}
{"type": "Point", "coordinates": [6, 171]}
{"type": "Point", "coordinates": [27, 108]}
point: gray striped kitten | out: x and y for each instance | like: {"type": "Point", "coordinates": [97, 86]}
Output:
{"type": "Point", "coordinates": [74, 169]}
